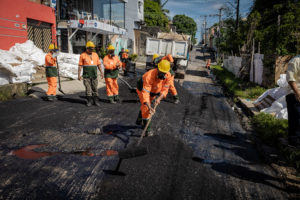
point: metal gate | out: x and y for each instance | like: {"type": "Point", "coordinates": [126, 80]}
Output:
{"type": "Point", "coordinates": [40, 33]}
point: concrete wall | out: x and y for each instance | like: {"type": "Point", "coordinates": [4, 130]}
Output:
{"type": "Point", "coordinates": [132, 15]}
{"type": "Point", "coordinates": [13, 20]}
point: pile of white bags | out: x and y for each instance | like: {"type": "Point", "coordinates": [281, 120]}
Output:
{"type": "Point", "coordinates": [17, 65]}
{"type": "Point", "coordinates": [278, 107]}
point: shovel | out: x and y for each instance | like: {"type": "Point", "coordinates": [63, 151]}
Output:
{"type": "Point", "coordinates": [132, 89]}
{"type": "Point", "coordinates": [59, 84]}
{"type": "Point", "coordinates": [136, 151]}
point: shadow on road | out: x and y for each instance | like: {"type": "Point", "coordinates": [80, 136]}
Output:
{"type": "Point", "coordinates": [197, 73]}
{"type": "Point", "coordinates": [120, 131]}
{"type": "Point", "coordinates": [71, 100]}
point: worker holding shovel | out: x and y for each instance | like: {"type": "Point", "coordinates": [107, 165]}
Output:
{"type": "Point", "coordinates": [112, 64]}
{"type": "Point", "coordinates": [154, 85]}
{"type": "Point", "coordinates": [51, 71]}
{"type": "Point", "coordinates": [89, 61]}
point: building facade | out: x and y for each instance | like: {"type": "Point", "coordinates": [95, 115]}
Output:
{"type": "Point", "coordinates": [78, 21]}
{"type": "Point", "coordinates": [22, 20]}
{"type": "Point", "coordinates": [134, 19]}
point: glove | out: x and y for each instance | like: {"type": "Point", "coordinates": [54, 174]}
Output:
{"type": "Point", "coordinates": [54, 55]}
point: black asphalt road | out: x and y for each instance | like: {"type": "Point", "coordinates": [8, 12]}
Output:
{"type": "Point", "coordinates": [199, 151]}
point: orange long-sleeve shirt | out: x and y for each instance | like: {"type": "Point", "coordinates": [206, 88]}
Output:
{"type": "Point", "coordinates": [154, 85]}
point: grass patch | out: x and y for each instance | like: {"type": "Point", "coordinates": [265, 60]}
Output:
{"type": "Point", "coordinates": [269, 128]}
{"type": "Point", "coordinates": [236, 86]}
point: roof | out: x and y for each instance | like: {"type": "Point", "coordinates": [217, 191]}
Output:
{"type": "Point", "coordinates": [173, 36]}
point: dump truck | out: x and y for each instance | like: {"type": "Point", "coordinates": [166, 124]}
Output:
{"type": "Point", "coordinates": [179, 49]}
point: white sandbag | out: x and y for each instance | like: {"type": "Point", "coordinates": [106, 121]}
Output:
{"type": "Point", "coordinates": [25, 69]}
{"type": "Point", "coordinates": [282, 114]}
{"type": "Point", "coordinates": [8, 57]}
{"type": "Point", "coordinates": [281, 82]}
{"type": "Point", "coordinates": [21, 79]}
{"type": "Point", "coordinates": [276, 107]}
{"type": "Point", "coordinates": [37, 58]}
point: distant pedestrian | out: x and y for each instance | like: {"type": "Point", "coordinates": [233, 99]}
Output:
{"type": "Point", "coordinates": [293, 99]}
{"type": "Point", "coordinates": [121, 53]}
{"type": "Point", "coordinates": [208, 64]}
{"type": "Point", "coordinates": [112, 64]}
{"type": "Point", "coordinates": [89, 61]}
{"type": "Point", "coordinates": [124, 59]}
{"type": "Point", "coordinates": [51, 71]}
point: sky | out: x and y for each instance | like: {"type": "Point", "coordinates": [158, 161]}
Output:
{"type": "Point", "coordinates": [196, 8]}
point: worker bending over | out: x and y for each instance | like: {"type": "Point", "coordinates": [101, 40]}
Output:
{"type": "Point", "coordinates": [112, 64]}
{"type": "Point", "coordinates": [154, 85]}
{"type": "Point", "coordinates": [51, 71]}
{"type": "Point", "coordinates": [89, 61]}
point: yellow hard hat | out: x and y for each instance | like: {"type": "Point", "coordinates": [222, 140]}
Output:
{"type": "Point", "coordinates": [155, 56]}
{"type": "Point", "coordinates": [52, 47]}
{"type": "Point", "coordinates": [127, 50]}
{"type": "Point", "coordinates": [90, 44]}
{"type": "Point", "coordinates": [164, 66]}
{"type": "Point", "coordinates": [111, 47]}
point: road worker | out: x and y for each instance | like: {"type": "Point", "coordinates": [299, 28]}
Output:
{"type": "Point", "coordinates": [293, 100]}
{"type": "Point", "coordinates": [124, 59]}
{"type": "Point", "coordinates": [120, 53]}
{"type": "Point", "coordinates": [172, 72]}
{"type": "Point", "coordinates": [112, 64]}
{"type": "Point", "coordinates": [89, 61]}
{"type": "Point", "coordinates": [51, 71]}
{"type": "Point", "coordinates": [208, 63]}
{"type": "Point", "coordinates": [154, 85]}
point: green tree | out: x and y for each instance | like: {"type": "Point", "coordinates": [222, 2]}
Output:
{"type": "Point", "coordinates": [154, 15]}
{"type": "Point", "coordinates": [185, 25]}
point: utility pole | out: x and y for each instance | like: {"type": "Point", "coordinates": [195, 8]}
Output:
{"type": "Point", "coordinates": [205, 35]}
{"type": "Point", "coordinates": [219, 32]}
{"type": "Point", "coordinates": [237, 13]}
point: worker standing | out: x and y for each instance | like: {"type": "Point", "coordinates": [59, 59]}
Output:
{"type": "Point", "coordinates": [154, 85]}
{"type": "Point", "coordinates": [120, 53]}
{"type": "Point", "coordinates": [111, 72]}
{"type": "Point", "coordinates": [208, 64]}
{"type": "Point", "coordinates": [124, 59]}
{"type": "Point", "coordinates": [89, 61]}
{"type": "Point", "coordinates": [51, 71]}
{"type": "Point", "coordinates": [172, 72]}
{"type": "Point", "coordinates": [293, 100]}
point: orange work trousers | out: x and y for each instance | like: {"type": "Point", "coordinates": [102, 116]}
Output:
{"type": "Point", "coordinates": [112, 87]}
{"type": "Point", "coordinates": [172, 87]}
{"type": "Point", "coordinates": [52, 85]}
{"type": "Point", "coordinates": [144, 109]}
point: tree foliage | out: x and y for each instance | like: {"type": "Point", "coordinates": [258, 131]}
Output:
{"type": "Point", "coordinates": [154, 15]}
{"type": "Point", "coordinates": [185, 25]}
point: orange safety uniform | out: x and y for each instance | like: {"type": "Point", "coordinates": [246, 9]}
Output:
{"type": "Point", "coordinates": [208, 64]}
{"type": "Point", "coordinates": [172, 87]}
{"type": "Point", "coordinates": [89, 64]}
{"type": "Point", "coordinates": [152, 86]}
{"type": "Point", "coordinates": [124, 59]}
{"type": "Point", "coordinates": [51, 74]}
{"type": "Point", "coordinates": [111, 74]}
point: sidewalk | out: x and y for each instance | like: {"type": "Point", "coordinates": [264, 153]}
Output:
{"type": "Point", "coordinates": [69, 87]}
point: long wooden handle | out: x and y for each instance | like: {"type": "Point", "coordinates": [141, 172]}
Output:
{"type": "Point", "coordinates": [145, 129]}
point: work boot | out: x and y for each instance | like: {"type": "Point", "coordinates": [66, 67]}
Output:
{"type": "Point", "coordinates": [49, 98]}
{"type": "Point", "coordinates": [96, 103]}
{"type": "Point", "coordinates": [89, 101]}
{"type": "Point", "coordinates": [176, 99]}
{"type": "Point", "coordinates": [111, 100]}
{"type": "Point", "coordinates": [53, 97]}
{"type": "Point", "coordinates": [116, 98]}
{"type": "Point", "coordinates": [149, 133]}
{"type": "Point", "coordinates": [139, 120]}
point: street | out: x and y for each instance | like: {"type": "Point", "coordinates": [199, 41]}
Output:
{"type": "Point", "coordinates": [200, 149]}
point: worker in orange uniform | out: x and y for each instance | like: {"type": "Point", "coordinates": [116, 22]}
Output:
{"type": "Point", "coordinates": [51, 71]}
{"type": "Point", "coordinates": [172, 87]}
{"type": "Point", "coordinates": [112, 64]}
{"type": "Point", "coordinates": [153, 85]}
{"type": "Point", "coordinates": [208, 64]}
{"type": "Point", "coordinates": [124, 59]}
{"type": "Point", "coordinates": [89, 61]}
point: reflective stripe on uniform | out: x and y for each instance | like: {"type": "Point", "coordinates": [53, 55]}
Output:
{"type": "Point", "coordinates": [146, 90]}
{"type": "Point", "coordinates": [166, 86]}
